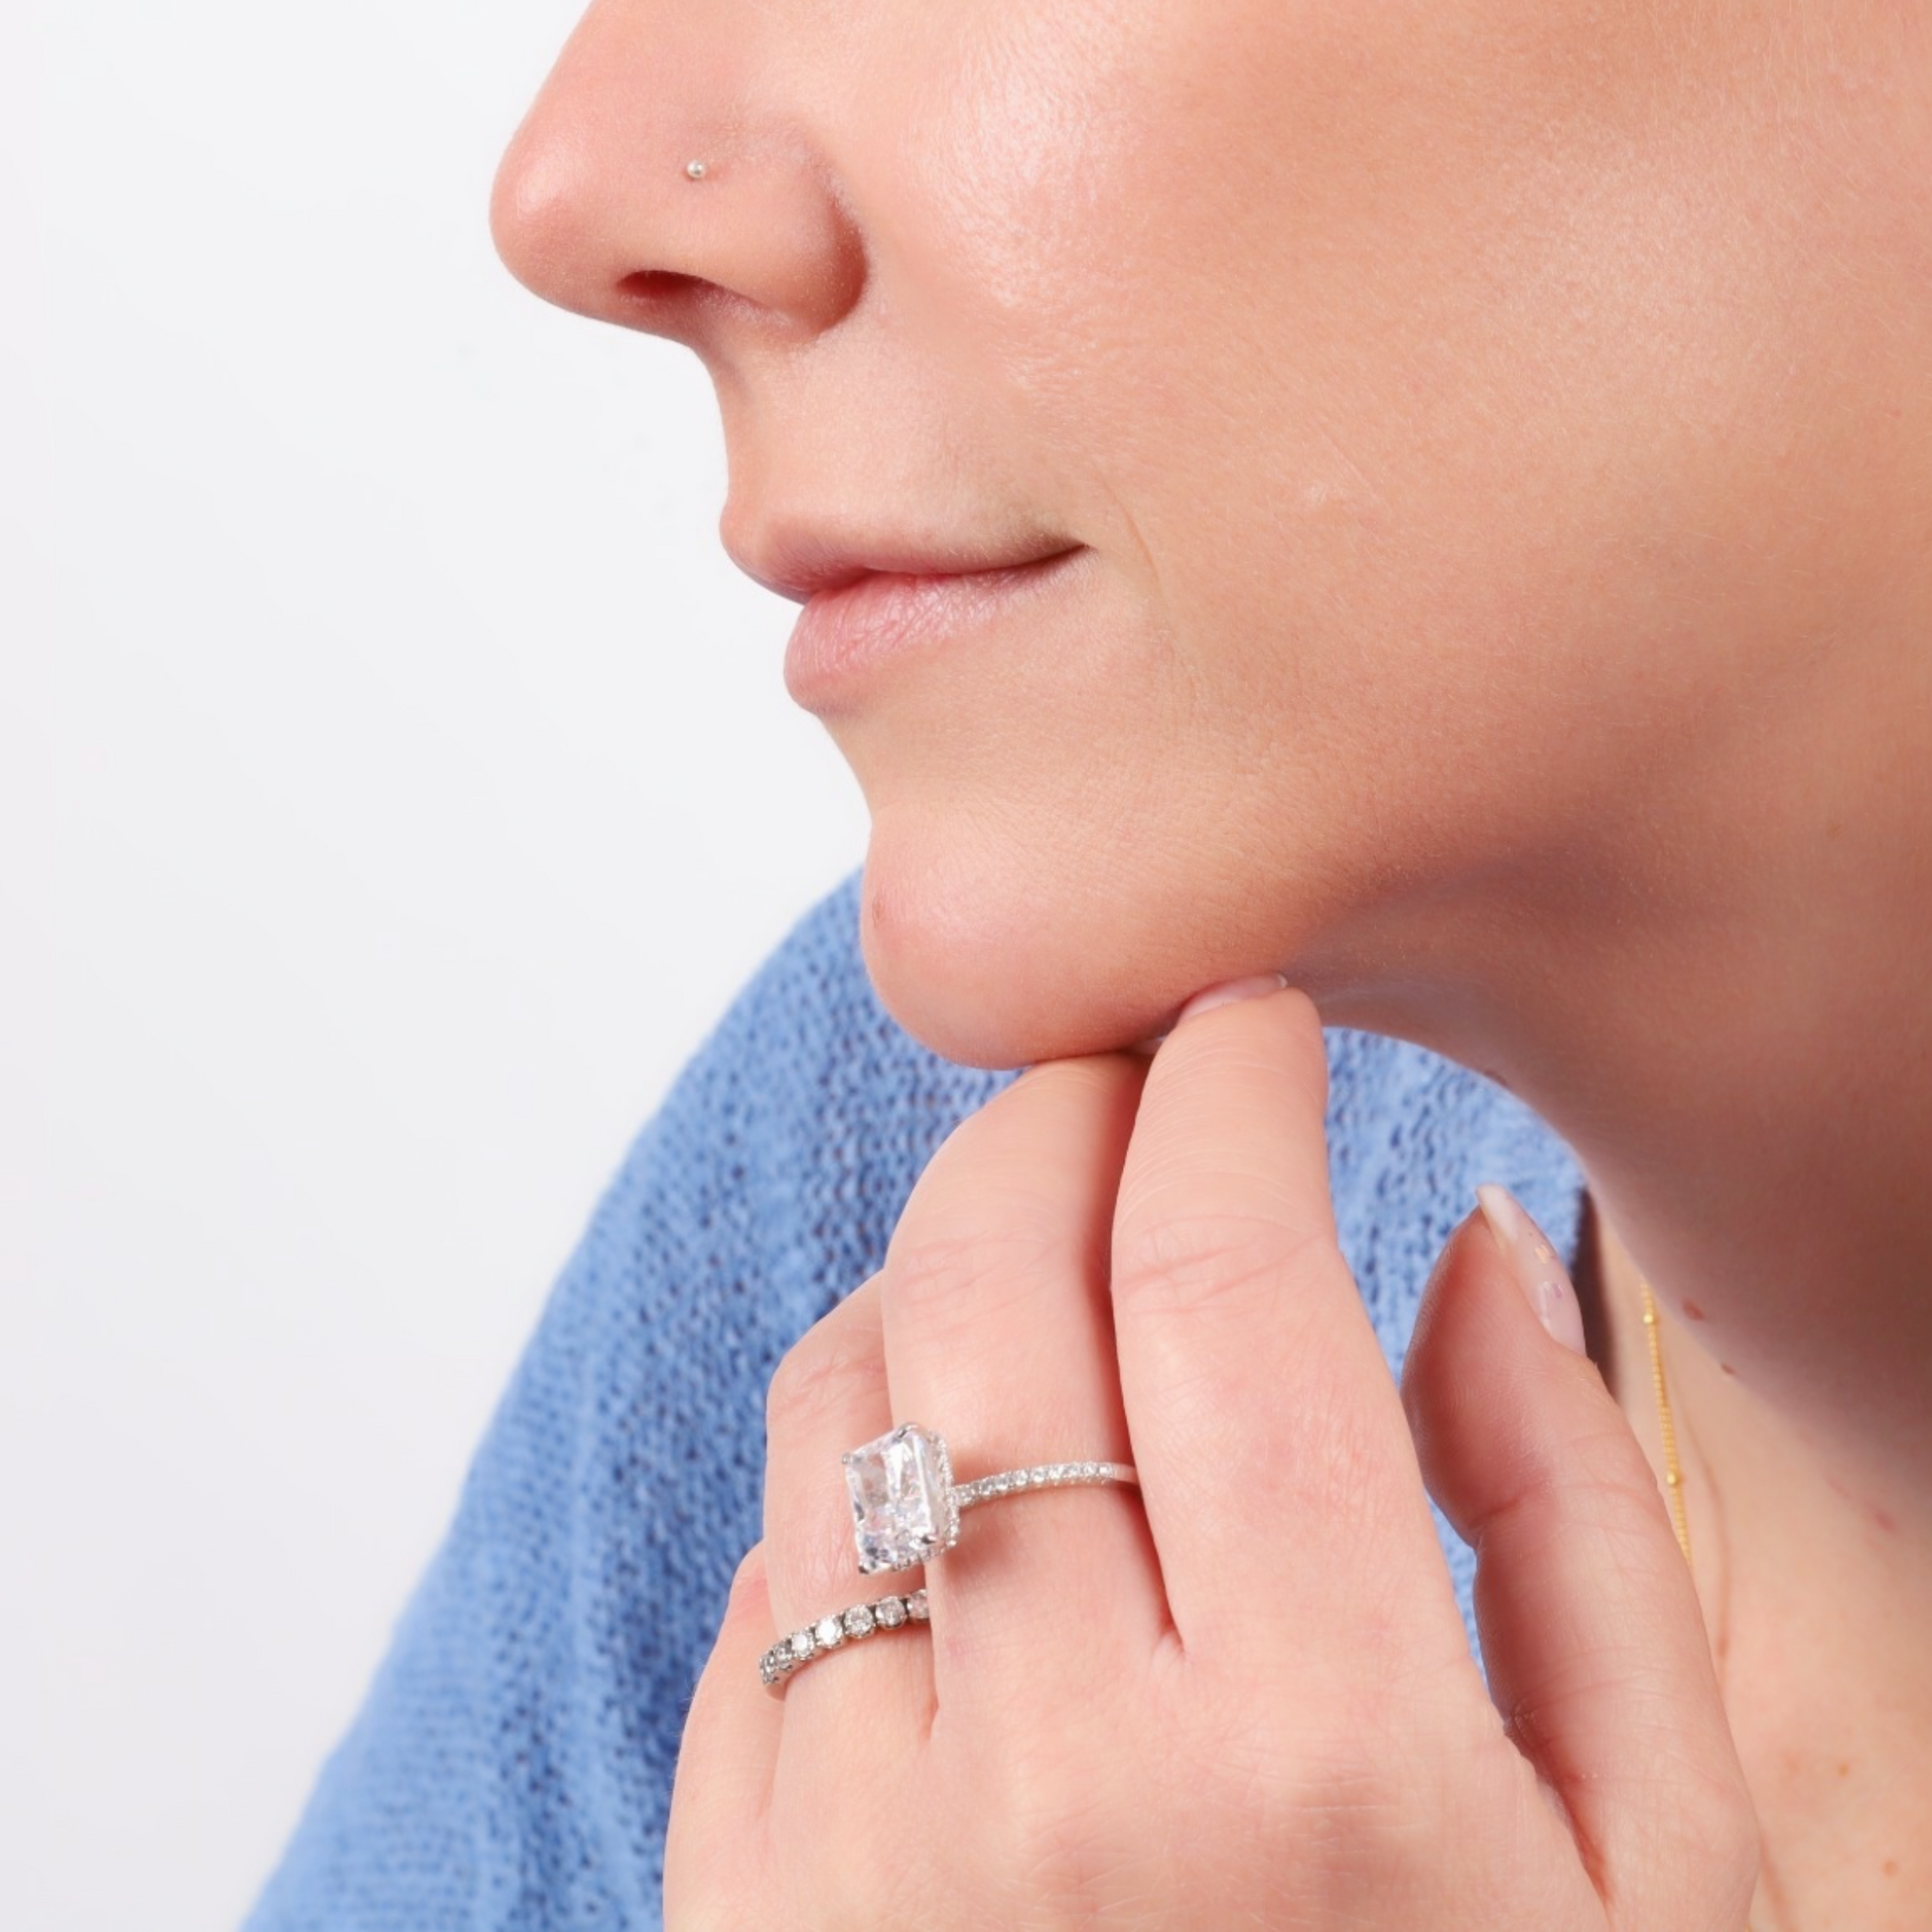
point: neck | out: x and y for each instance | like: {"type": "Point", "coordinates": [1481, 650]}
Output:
{"type": "Point", "coordinates": [1765, 1152]}
{"type": "Point", "coordinates": [1729, 1019]}
{"type": "Point", "coordinates": [1816, 1593]}
{"type": "Point", "coordinates": [1723, 999]}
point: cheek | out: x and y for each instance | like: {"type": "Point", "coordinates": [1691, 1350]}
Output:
{"type": "Point", "coordinates": [1406, 432]}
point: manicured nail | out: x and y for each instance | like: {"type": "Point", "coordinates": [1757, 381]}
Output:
{"type": "Point", "coordinates": [1535, 1263]}
{"type": "Point", "coordinates": [1225, 995]}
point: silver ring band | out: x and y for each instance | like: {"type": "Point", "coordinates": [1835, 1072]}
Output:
{"type": "Point", "coordinates": [1043, 1475]}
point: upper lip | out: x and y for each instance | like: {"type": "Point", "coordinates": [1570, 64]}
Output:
{"type": "Point", "coordinates": [798, 561]}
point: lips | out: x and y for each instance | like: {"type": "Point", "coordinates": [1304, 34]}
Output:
{"type": "Point", "coordinates": [857, 623]}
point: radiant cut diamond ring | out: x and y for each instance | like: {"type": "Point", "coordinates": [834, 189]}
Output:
{"type": "Point", "coordinates": [906, 1510]}
{"type": "Point", "coordinates": [905, 1505]}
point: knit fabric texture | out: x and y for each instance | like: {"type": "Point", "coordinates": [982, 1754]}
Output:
{"type": "Point", "coordinates": [512, 1767]}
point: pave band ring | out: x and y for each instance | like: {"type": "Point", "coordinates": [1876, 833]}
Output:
{"type": "Point", "coordinates": [829, 1632]}
{"type": "Point", "coordinates": [906, 1510]}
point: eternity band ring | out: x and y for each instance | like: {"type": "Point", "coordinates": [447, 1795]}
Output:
{"type": "Point", "coordinates": [906, 1510]}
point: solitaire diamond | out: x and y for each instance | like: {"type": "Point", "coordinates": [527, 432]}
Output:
{"type": "Point", "coordinates": [902, 1506]}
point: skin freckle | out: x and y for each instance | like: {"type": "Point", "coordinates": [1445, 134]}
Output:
{"type": "Point", "coordinates": [1692, 1313]}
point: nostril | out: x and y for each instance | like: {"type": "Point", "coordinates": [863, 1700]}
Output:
{"type": "Point", "coordinates": [664, 302]}
{"type": "Point", "coordinates": [655, 285]}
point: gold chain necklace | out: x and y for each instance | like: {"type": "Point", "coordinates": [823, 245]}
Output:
{"type": "Point", "coordinates": [1667, 1430]}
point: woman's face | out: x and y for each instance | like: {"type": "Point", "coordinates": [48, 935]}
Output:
{"type": "Point", "coordinates": [1449, 405]}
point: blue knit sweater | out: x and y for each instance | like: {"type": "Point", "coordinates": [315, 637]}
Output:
{"type": "Point", "coordinates": [512, 1767]}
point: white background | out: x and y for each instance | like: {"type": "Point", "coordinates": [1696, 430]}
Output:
{"type": "Point", "coordinates": [395, 784]}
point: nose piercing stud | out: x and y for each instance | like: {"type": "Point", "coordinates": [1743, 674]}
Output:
{"type": "Point", "coordinates": [695, 171]}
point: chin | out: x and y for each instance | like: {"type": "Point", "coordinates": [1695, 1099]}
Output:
{"type": "Point", "coordinates": [982, 952]}
{"type": "Point", "coordinates": [940, 967]}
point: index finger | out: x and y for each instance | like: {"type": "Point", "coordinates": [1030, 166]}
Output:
{"type": "Point", "coordinates": [1276, 1464]}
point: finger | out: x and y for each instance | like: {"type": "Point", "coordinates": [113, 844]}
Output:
{"type": "Point", "coordinates": [830, 1395]}
{"type": "Point", "coordinates": [999, 1335]}
{"type": "Point", "coordinates": [1590, 1631]}
{"type": "Point", "coordinates": [1279, 1477]}
{"type": "Point", "coordinates": [716, 1840]}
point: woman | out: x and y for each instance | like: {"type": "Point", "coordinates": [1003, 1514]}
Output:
{"type": "Point", "coordinates": [1414, 515]}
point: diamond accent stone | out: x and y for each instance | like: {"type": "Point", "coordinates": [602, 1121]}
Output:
{"type": "Point", "coordinates": [891, 1613]}
{"type": "Point", "coordinates": [903, 1511]}
{"type": "Point", "coordinates": [917, 1608]}
{"type": "Point", "coordinates": [803, 1644]}
{"type": "Point", "coordinates": [828, 1632]}
{"type": "Point", "coordinates": [858, 1620]}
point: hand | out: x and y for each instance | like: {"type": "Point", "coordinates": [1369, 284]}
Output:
{"type": "Point", "coordinates": [1241, 1696]}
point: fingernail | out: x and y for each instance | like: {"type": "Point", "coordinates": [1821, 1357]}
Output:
{"type": "Point", "coordinates": [1534, 1261]}
{"type": "Point", "coordinates": [1225, 995]}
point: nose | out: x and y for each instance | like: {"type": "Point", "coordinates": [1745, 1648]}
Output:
{"type": "Point", "coordinates": [598, 208]}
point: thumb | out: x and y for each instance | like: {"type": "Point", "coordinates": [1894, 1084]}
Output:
{"type": "Point", "coordinates": [1591, 1634]}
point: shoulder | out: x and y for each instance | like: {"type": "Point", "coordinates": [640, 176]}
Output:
{"type": "Point", "coordinates": [512, 1762]}
{"type": "Point", "coordinates": [808, 1113]}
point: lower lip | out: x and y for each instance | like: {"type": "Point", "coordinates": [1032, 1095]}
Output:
{"type": "Point", "coordinates": [843, 636]}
